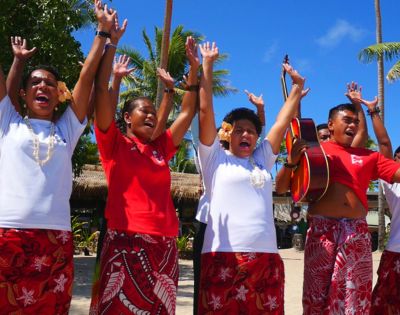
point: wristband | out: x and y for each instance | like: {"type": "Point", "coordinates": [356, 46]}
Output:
{"type": "Point", "coordinates": [111, 45]}
{"type": "Point", "coordinates": [290, 166]}
{"type": "Point", "coordinates": [376, 110]}
{"type": "Point", "coordinates": [103, 34]}
{"type": "Point", "coordinates": [193, 88]}
{"type": "Point", "coordinates": [169, 91]}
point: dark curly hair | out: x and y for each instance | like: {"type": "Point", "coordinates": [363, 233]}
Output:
{"type": "Point", "coordinates": [128, 107]}
{"type": "Point", "coordinates": [244, 113]}
{"type": "Point", "coordinates": [47, 68]}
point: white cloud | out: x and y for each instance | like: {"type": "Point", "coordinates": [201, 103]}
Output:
{"type": "Point", "coordinates": [341, 30]}
{"type": "Point", "coordinates": [270, 52]}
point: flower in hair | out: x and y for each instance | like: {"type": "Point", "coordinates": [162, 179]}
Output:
{"type": "Point", "coordinates": [63, 93]}
{"type": "Point", "coordinates": [225, 131]}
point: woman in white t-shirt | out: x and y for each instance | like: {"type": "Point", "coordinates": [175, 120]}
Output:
{"type": "Point", "coordinates": [242, 271]}
{"type": "Point", "coordinates": [36, 269]}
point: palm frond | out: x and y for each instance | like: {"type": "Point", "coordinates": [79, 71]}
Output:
{"type": "Point", "coordinates": [149, 46]}
{"type": "Point", "coordinates": [388, 51]}
{"type": "Point", "coordinates": [394, 72]}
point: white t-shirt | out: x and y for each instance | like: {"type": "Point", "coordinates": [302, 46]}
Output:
{"type": "Point", "coordinates": [240, 218]}
{"type": "Point", "coordinates": [392, 194]}
{"type": "Point", "coordinates": [34, 196]}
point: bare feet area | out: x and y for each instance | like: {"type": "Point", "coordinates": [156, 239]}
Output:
{"type": "Point", "coordinates": [293, 260]}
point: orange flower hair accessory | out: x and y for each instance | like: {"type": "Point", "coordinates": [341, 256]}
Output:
{"type": "Point", "coordinates": [225, 131]}
{"type": "Point", "coordinates": [63, 93]}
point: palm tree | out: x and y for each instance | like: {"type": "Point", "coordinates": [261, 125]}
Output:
{"type": "Point", "coordinates": [370, 54]}
{"type": "Point", "coordinates": [144, 79]}
{"type": "Point", "coordinates": [164, 46]}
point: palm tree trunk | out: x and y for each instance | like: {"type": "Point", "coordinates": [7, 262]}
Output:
{"type": "Point", "coordinates": [164, 47]}
{"type": "Point", "coordinates": [381, 96]}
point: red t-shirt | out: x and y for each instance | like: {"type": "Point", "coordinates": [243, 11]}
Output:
{"type": "Point", "coordinates": [139, 182]}
{"type": "Point", "coordinates": [356, 167]}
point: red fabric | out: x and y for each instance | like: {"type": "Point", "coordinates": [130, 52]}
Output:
{"type": "Point", "coordinates": [386, 294]}
{"type": "Point", "coordinates": [337, 267]}
{"type": "Point", "coordinates": [36, 271]}
{"type": "Point", "coordinates": [241, 283]}
{"type": "Point", "coordinates": [355, 167]}
{"type": "Point", "coordinates": [138, 275]}
{"type": "Point", "coordinates": [139, 183]}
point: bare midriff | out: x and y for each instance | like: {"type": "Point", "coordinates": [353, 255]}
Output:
{"type": "Point", "coordinates": [340, 201]}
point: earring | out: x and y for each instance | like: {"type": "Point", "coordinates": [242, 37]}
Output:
{"type": "Point", "coordinates": [24, 106]}
{"type": "Point", "coordinates": [56, 109]}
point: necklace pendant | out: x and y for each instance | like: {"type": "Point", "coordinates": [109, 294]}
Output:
{"type": "Point", "coordinates": [257, 178]}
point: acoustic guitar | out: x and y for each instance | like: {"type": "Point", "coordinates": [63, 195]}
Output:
{"type": "Point", "coordinates": [310, 179]}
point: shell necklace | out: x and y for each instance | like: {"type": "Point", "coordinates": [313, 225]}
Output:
{"type": "Point", "coordinates": [36, 143]}
{"type": "Point", "coordinates": [257, 178]}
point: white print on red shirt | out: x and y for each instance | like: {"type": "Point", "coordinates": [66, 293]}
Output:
{"type": "Point", "coordinates": [356, 160]}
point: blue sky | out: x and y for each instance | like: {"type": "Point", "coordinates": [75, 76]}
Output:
{"type": "Point", "coordinates": [322, 38]}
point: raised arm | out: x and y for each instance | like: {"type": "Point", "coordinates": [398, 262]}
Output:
{"type": "Point", "coordinates": [354, 95]}
{"type": "Point", "coordinates": [282, 181]}
{"type": "Point", "coordinates": [182, 122]}
{"type": "Point", "coordinates": [21, 54]}
{"type": "Point", "coordinates": [105, 99]}
{"type": "Point", "coordinates": [166, 102]}
{"type": "Point", "coordinates": [384, 143]}
{"type": "Point", "coordinates": [208, 129]}
{"type": "Point", "coordinates": [81, 92]}
{"type": "Point", "coordinates": [258, 102]}
{"type": "Point", "coordinates": [288, 110]}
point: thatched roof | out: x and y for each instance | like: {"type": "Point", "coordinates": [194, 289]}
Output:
{"type": "Point", "coordinates": [92, 185]}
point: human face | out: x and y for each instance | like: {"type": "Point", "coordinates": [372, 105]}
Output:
{"type": "Point", "coordinates": [141, 121]}
{"type": "Point", "coordinates": [41, 94]}
{"type": "Point", "coordinates": [323, 135]}
{"type": "Point", "coordinates": [397, 157]}
{"type": "Point", "coordinates": [343, 127]}
{"type": "Point", "coordinates": [243, 138]}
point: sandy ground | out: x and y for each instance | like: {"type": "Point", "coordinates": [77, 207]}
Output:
{"type": "Point", "coordinates": [293, 261]}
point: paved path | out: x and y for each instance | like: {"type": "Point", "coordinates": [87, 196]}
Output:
{"type": "Point", "coordinates": [292, 259]}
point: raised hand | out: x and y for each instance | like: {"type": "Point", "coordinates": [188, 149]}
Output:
{"type": "Point", "coordinates": [209, 51]}
{"type": "Point", "coordinates": [105, 17]}
{"type": "Point", "coordinates": [354, 92]}
{"type": "Point", "coordinates": [117, 31]}
{"type": "Point", "coordinates": [121, 64]}
{"type": "Point", "coordinates": [256, 100]}
{"type": "Point", "coordinates": [371, 104]}
{"type": "Point", "coordinates": [166, 78]}
{"type": "Point", "coordinates": [191, 52]}
{"type": "Point", "coordinates": [297, 79]}
{"type": "Point", "coordinates": [19, 48]}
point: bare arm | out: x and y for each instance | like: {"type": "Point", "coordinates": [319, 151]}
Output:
{"type": "Point", "coordinates": [21, 54]}
{"type": "Point", "coordinates": [182, 123]}
{"type": "Point", "coordinates": [166, 102]}
{"type": "Point", "coordinates": [208, 130]}
{"type": "Point", "coordinates": [83, 87]}
{"type": "Point", "coordinates": [106, 99]}
{"type": "Point", "coordinates": [287, 112]}
{"type": "Point", "coordinates": [384, 143]}
{"type": "Point", "coordinates": [354, 95]}
{"type": "Point", "coordinates": [258, 102]}
{"type": "Point", "coordinates": [282, 182]}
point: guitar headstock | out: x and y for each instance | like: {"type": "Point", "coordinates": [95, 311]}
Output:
{"type": "Point", "coordinates": [285, 61]}
{"type": "Point", "coordinates": [283, 78]}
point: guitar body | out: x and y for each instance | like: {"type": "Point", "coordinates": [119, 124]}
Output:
{"type": "Point", "coordinates": [310, 180]}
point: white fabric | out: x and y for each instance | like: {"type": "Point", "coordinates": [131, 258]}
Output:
{"type": "Point", "coordinates": [240, 217]}
{"type": "Point", "coordinates": [392, 194]}
{"type": "Point", "coordinates": [33, 196]}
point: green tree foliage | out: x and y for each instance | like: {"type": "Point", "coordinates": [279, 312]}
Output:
{"type": "Point", "coordinates": [48, 25]}
{"type": "Point", "coordinates": [182, 162]}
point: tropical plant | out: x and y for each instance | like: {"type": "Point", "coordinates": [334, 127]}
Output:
{"type": "Point", "coordinates": [182, 162]}
{"type": "Point", "coordinates": [143, 80]}
{"type": "Point", "coordinates": [82, 238]}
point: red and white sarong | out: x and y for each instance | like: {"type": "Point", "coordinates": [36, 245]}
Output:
{"type": "Point", "coordinates": [138, 275]}
{"type": "Point", "coordinates": [241, 283]}
{"type": "Point", "coordinates": [386, 294]}
{"type": "Point", "coordinates": [337, 267]}
{"type": "Point", "coordinates": [36, 271]}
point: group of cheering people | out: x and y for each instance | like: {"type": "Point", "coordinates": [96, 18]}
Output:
{"type": "Point", "coordinates": [241, 271]}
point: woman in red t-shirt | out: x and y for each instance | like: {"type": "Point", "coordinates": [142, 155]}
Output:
{"type": "Point", "coordinates": [139, 262]}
